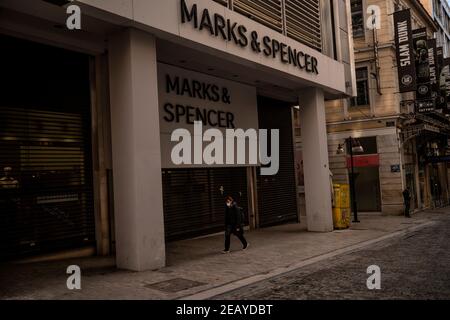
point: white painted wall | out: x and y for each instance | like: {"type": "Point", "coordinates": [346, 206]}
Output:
{"type": "Point", "coordinates": [315, 161]}
{"type": "Point", "coordinates": [164, 19]}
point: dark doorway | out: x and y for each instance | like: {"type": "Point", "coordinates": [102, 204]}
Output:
{"type": "Point", "coordinates": [277, 195]}
{"type": "Point", "coordinates": [194, 199]}
{"type": "Point", "coordinates": [368, 189]}
{"type": "Point", "coordinates": [46, 194]}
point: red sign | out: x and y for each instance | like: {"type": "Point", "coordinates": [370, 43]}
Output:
{"type": "Point", "coordinates": [371, 160]}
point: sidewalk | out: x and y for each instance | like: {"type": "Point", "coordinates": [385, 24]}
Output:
{"type": "Point", "coordinates": [196, 266]}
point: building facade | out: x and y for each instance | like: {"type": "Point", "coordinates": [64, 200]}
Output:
{"type": "Point", "coordinates": [89, 114]}
{"type": "Point", "coordinates": [384, 121]}
{"type": "Point", "coordinates": [440, 11]}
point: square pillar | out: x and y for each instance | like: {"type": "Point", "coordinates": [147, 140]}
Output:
{"type": "Point", "coordinates": [318, 190]}
{"type": "Point", "coordinates": [138, 206]}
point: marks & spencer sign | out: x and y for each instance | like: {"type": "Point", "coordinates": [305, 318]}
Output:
{"type": "Point", "coordinates": [239, 35]}
{"type": "Point", "coordinates": [187, 98]}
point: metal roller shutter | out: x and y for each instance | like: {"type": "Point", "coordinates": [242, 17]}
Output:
{"type": "Point", "coordinates": [277, 195]}
{"type": "Point", "coordinates": [46, 200]}
{"type": "Point", "coordinates": [266, 12]}
{"type": "Point", "coordinates": [194, 199]}
{"type": "Point", "coordinates": [297, 19]}
{"type": "Point", "coordinates": [303, 22]}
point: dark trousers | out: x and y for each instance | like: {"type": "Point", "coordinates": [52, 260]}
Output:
{"type": "Point", "coordinates": [407, 209]}
{"type": "Point", "coordinates": [234, 230]}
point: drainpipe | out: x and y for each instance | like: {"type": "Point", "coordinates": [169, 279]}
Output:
{"type": "Point", "coordinates": [377, 61]}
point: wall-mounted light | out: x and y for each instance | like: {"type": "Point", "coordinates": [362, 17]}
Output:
{"type": "Point", "coordinates": [356, 147]}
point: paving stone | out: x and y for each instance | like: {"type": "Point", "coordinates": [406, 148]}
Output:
{"type": "Point", "coordinates": [412, 267]}
{"type": "Point", "coordinates": [199, 260]}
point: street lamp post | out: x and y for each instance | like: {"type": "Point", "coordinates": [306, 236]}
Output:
{"type": "Point", "coordinates": [353, 147]}
{"type": "Point", "coordinates": [352, 181]}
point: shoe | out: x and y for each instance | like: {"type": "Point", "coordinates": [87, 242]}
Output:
{"type": "Point", "coordinates": [246, 247]}
{"type": "Point", "coordinates": [225, 251]}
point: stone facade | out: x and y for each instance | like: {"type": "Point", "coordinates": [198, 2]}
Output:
{"type": "Point", "coordinates": [380, 118]}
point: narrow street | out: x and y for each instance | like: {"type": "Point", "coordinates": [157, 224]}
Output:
{"type": "Point", "coordinates": [415, 266]}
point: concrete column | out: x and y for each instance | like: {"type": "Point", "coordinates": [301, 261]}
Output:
{"type": "Point", "coordinates": [139, 221]}
{"type": "Point", "coordinates": [315, 161]}
{"type": "Point", "coordinates": [100, 147]}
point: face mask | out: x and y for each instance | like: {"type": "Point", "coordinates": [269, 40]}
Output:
{"type": "Point", "coordinates": [229, 204]}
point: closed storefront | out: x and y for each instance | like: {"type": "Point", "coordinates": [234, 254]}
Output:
{"type": "Point", "coordinates": [195, 188]}
{"type": "Point", "coordinates": [46, 194]}
{"type": "Point", "coordinates": [367, 175]}
{"type": "Point", "coordinates": [277, 201]}
{"type": "Point", "coordinates": [136, 132]}
{"type": "Point", "coordinates": [194, 194]}
{"type": "Point", "coordinates": [194, 199]}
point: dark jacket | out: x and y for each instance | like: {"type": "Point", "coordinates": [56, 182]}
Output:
{"type": "Point", "coordinates": [233, 215]}
{"type": "Point", "coordinates": [406, 196]}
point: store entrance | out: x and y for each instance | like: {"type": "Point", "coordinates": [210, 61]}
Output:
{"type": "Point", "coordinates": [46, 193]}
{"type": "Point", "coordinates": [194, 199]}
{"type": "Point", "coordinates": [367, 184]}
{"type": "Point", "coordinates": [277, 194]}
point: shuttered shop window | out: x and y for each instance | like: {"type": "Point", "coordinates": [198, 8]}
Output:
{"type": "Point", "coordinates": [46, 198]}
{"type": "Point", "coordinates": [194, 199]}
{"type": "Point", "coordinates": [46, 193]}
{"type": "Point", "coordinates": [277, 194]}
{"type": "Point", "coordinates": [303, 22]}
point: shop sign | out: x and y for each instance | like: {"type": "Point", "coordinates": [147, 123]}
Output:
{"type": "Point", "coordinates": [422, 66]}
{"type": "Point", "coordinates": [432, 58]}
{"type": "Point", "coordinates": [425, 106]}
{"type": "Point", "coordinates": [446, 82]}
{"type": "Point", "coordinates": [239, 35]}
{"type": "Point", "coordinates": [405, 51]}
{"type": "Point", "coordinates": [372, 160]}
{"type": "Point", "coordinates": [207, 121]}
{"type": "Point", "coordinates": [441, 102]}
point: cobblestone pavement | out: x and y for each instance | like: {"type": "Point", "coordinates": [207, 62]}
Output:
{"type": "Point", "coordinates": [415, 266]}
{"type": "Point", "coordinates": [197, 267]}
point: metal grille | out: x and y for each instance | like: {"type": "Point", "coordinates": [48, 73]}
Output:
{"type": "Point", "coordinates": [46, 196]}
{"type": "Point", "coordinates": [303, 22]}
{"type": "Point", "coordinates": [266, 12]}
{"type": "Point", "coordinates": [222, 2]}
{"type": "Point", "coordinates": [297, 19]}
{"type": "Point", "coordinates": [277, 195]}
{"type": "Point", "coordinates": [194, 199]}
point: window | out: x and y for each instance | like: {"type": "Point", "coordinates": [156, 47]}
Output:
{"type": "Point", "coordinates": [297, 124]}
{"type": "Point", "coordinates": [369, 145]}
{"type": "Point", "coordinates": [438, 9]}
{"type": "Point", "coordinates": [357, 18]}
{"type": "Point", "coordinates": [362, 84]}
